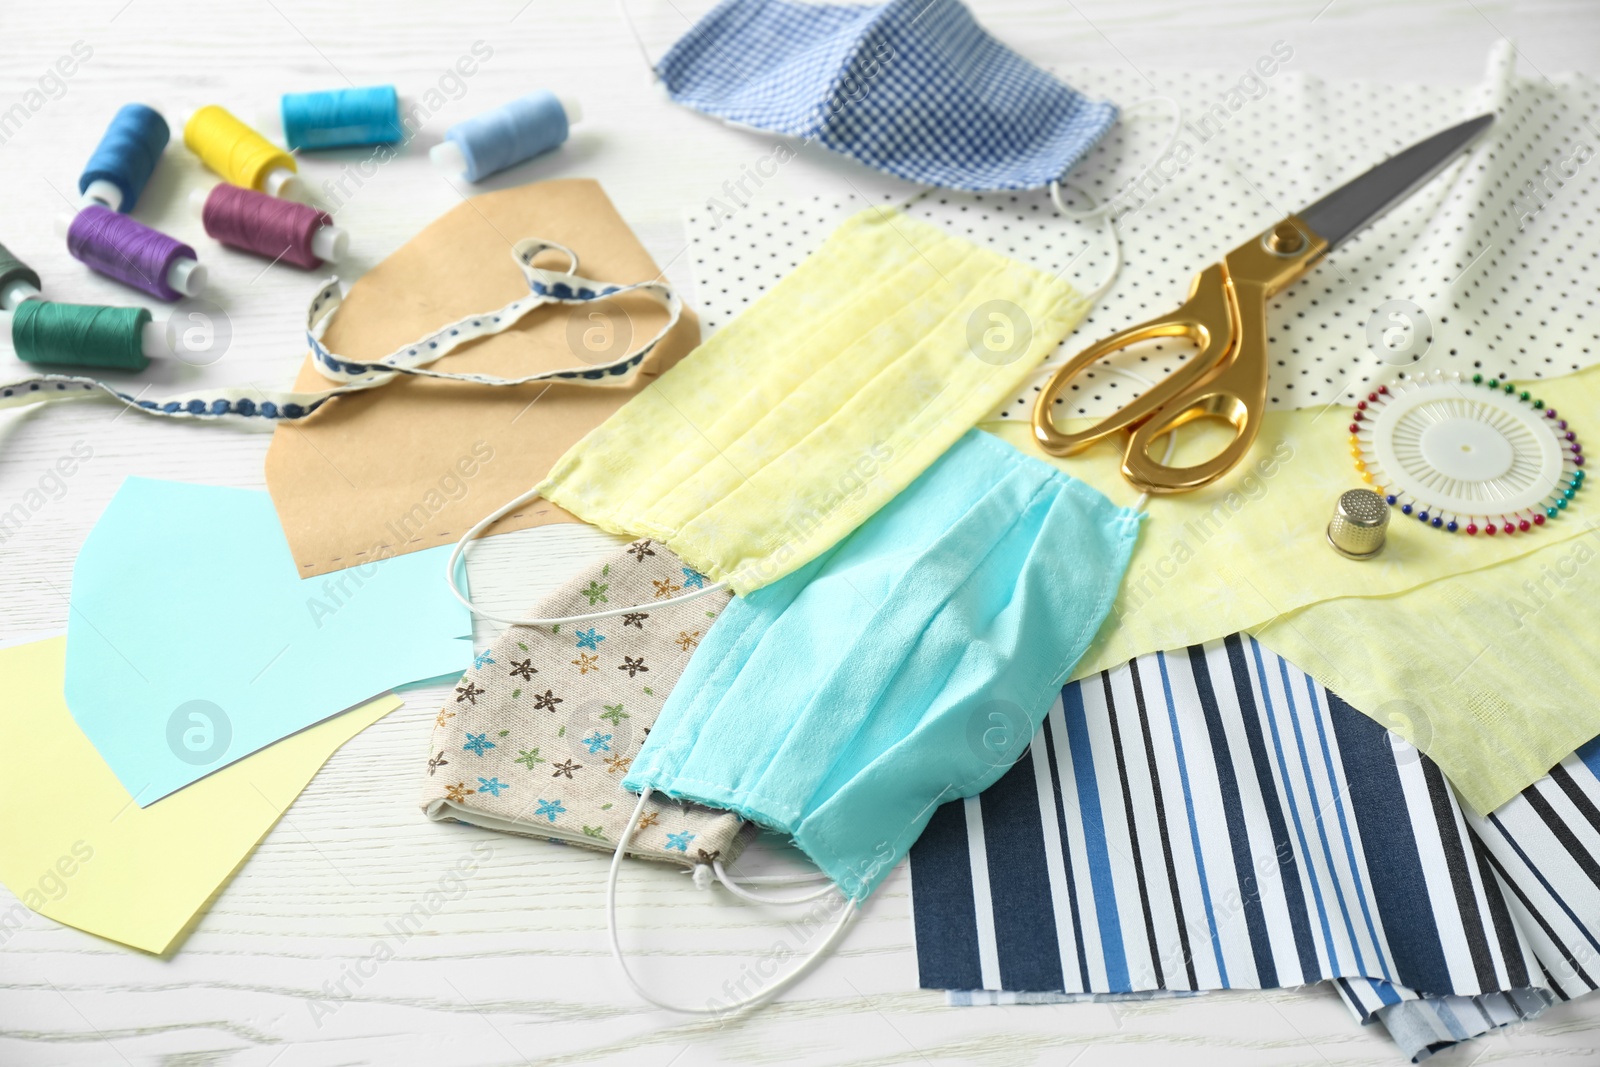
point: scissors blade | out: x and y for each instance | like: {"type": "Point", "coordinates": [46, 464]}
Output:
{"type": "Point", "coordinates": [1357, 203]}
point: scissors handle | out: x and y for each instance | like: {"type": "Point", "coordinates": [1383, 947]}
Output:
{"type": "Point", "coordinates": [1226, 316]}
{"type": "Point", "coordinates": [1204, 318]}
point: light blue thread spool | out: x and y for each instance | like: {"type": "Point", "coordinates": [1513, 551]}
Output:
{"type": "Point", "coordinates": [489, 143]}
{"type": "Point", "coordinates": [125, 158]}
{"type": "Point", "coordinates": [341, 117]}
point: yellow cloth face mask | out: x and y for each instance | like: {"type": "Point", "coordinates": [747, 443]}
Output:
{"type": "Point", "coordinates": [1491, 673]}
{"type": "Point", "coordinates": [801, 418]}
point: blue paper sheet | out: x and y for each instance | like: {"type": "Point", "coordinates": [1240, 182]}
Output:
{"type": "Point", "coordinates": [192, 642]}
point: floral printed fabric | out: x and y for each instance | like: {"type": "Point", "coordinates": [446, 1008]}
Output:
{"type": "Point", "coordinates": [542, 729]}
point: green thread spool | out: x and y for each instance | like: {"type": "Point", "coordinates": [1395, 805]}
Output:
{"type": "Point", "coordinates": [80, 335]}
{"type": "Point", "coordinates": [13, 270]}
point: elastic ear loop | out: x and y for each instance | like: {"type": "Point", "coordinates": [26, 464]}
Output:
{"type": "Point", "coordinates": [772, 990]}
{"type": "Point", "coordinates": [1100, 290]}
{"type": "Point", "coordinates": [1171, 436]}
{"type": "Point", "coordinates": [500, 513]}
{"type": "Point", "coordinates": [773, 879]}
{"type": "Point", "coordinates": [622, 8]}
{"type": "Point", "coordinates": [1108, 227]}
{"type": "Point", "coordinates": [1105, 286]}
{"type": "Point", "coordinates": [1166, 147]}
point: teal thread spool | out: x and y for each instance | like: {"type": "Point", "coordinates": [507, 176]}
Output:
{"type": "Point", "coordinates": [80, 335]}
{"type": "Point", "coordinates": [341, 117]}
{"type": "Point", "coordinates": [18, 281]}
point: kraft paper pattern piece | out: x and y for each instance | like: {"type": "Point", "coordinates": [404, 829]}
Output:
{"type": "Point", "coordinates": [191, 643]}
{"type": "Point", "coordinates": [414, 464]}
{"type": "Point", "coordinates": [76, 848]}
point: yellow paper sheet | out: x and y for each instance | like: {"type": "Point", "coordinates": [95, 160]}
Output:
{"type": "Point", "coordinates": [1253, 545]}
{"type": "Point", "coordinates": [76, 848]}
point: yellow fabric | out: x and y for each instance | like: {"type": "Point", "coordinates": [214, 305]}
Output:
{"type": "Point", "coordinates": [1253, 546]}
{"type": "Point", "coordinates": [77, 849]}
{"type": "Point", "coordinates": [1492, 673]}
{"type": "Point", "coordinates": [830, 394]}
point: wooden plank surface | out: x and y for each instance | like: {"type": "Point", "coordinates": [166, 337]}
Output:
{"type": "Point", "coordinates": [514, 968]}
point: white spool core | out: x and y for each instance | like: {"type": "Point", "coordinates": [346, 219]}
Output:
{"type": "Point", "coordinates": [187, 276]}
{"type": "Point", "coordinates": [447, 156]}
{"type": "Point", "coordinates": [573, 109]}
{"type": "Point", "coordinates": [103, 192]}
{"type": "Point", "coordinates": [153, 340]}
{"type": "Point", "coordinates": [197, 201]}
{"type": "Point", "coordinates": [330, 244]}
{"type": "Point", "coordinates": [15, 292]}
{"type": "Point", "coordinates": [281, 181]}
{"type": "Point", "coordinates": [1465, 449]}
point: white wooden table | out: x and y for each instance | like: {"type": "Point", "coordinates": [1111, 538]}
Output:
{"type": "Point", "coordinates": [516, 970]}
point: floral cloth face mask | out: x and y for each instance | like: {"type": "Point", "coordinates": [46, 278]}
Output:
{"type": "Point", "coordinates": [541, 730]}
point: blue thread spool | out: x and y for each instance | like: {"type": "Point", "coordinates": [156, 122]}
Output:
{"type": "Point", "coordinates": [125, 158]}
{"type": "Point", "coordinates": [489, 143]}
{"type": "Point", "coordinates": [341, 117]}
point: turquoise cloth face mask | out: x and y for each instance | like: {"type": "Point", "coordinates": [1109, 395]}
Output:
{"type": "Point", "coordinates": [907, 666]}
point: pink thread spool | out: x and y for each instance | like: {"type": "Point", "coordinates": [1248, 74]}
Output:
{"type": "Point", "coordinates": [270, 227]}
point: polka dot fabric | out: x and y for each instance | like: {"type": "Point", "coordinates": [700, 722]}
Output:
{"type": "Point", "coordinates": [1496, 253]}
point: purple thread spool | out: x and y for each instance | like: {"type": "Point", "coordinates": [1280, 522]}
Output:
{"type": "Point", "coordinates": [270, 227]}
{"type": "Point", "coordinates": [134, 254]}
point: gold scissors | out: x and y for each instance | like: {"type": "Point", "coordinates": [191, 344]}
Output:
{"type": "Point", "coordinates": [1225, 316]}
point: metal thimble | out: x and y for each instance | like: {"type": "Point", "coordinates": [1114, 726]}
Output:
{"type": "Point", "coordinates": [1358, 525]}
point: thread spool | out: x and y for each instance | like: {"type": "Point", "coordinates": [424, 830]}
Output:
{"type": "Point", "coordinates": [131, 252]}
{"type": "Point", "coordinates": [18, 281]}
{"type": "Point", "coordinates": [337, 118]}
{"type": "Point", "coordinates": [85, 335]}
{"type": "Point", "coordinates": [275, 229]}
{"type": "Point", "coordinates": [126, 156]}
{"type": "Point", "coordinates": [488, 143]}
{"type": "Point", "coordinates": [239, 154]}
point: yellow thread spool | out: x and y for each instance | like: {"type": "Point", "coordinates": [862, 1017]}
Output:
{"type": "Point", "coordinates": [241, 155]}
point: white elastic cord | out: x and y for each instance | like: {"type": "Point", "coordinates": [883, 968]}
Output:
{"type": "Point", "coordinates": [781, 879]}
{"type": "Point", "coordinates": [622, 7]}
{"type": "Point", "coordinates": [1172, 437]}
{"type": "Point", "coordinates": [1166, 149]}
{"type": "Point", "coordinates": [1108, 227]}
{"type": "Point", "coordinates": [766, 993]}
{"type": "Point", "coordinates": [757, 898]}
{"type": "Point", "coordinates": [500, 513]}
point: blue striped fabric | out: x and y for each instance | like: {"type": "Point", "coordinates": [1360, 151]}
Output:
{"type": "Point", "coordinates": [1212, 819]}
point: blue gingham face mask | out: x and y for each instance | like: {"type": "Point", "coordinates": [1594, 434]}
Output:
{"type": "Point", "coordinates": [912, 87]}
